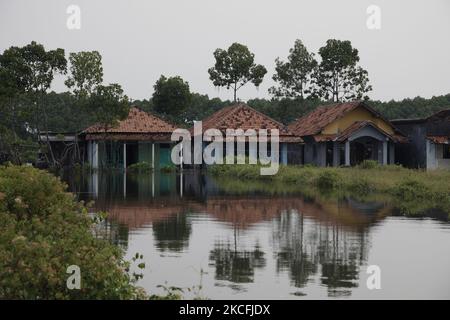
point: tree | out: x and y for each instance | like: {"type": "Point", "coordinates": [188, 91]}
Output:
{"type": "Point", "coordinates": [29, 71]}
{"type": "Point", "coordinates": [86, 72]}
{"type": "Point", "coordinates": [338, 76]}
{"type": "Point", "coordinates": [235, 67]}
{"type": "Point", "coordinates": [31, 67]}
{"type": "Point", "coordinates": [171, 97]}
{"type": "Point", "coordinates": [294, 76]}
{"type": "Point", "coordinates": [108, 105]}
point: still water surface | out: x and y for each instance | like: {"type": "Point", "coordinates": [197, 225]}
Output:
{"type": "Point", "coordinates": [257, 245]}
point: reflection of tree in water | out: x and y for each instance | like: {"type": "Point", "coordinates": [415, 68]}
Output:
{"type": "Point", "coordinates": [116, 233]}
{"type": "Point", "coordinates": [172, 234]}
{"type": "Point", "coordinates": [338, 277]}
{"type": "Point", "coordinates": [236, 265]}
{"type": "Point", "coordinates": [305, 248]}
{"type": "Point", "coordinates": [292, 253]}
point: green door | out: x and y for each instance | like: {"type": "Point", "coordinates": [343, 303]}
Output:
{"type": "Point", "coordinates": [164, 155]}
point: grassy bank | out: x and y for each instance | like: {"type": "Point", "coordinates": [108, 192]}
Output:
{"type": "Point", "coordinates": [413, 191]}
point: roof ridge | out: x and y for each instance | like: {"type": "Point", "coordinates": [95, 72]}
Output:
{"type": "Point", "coordinates": [265, 115]}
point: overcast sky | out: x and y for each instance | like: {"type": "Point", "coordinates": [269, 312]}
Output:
{"type": "Point", "coordinates": [142, 39]}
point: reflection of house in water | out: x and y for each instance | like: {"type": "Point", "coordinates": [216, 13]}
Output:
{"type": "Point", "coordinates": [334, 247]}
{"type": "Point", "coordinates": [310, 236]}
{"type": "Point", "coordinates": [236, 265]}
{"type": "Point", "coordinates": [172, 234]}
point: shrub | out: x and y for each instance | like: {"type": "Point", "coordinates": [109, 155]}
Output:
{"type": "Point", "coordinates": [368, 164]}
{"type": "Point", "coordinates": [361, 186]}
{"type": "Point", "coordinates": [168, 168]}
{"type": "Point", "coordinates": [43, 231]}
{"type": "Point", "coordinates": [411, 189]}
{"type": "Point", "coordinates": [327, 180]}
{"type": "Point", "coordinates": [140, 167]}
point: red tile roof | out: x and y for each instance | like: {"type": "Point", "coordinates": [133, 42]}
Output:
{"type": "Point", "coordinates": [139, 122]}
{"type": "Point", "coordinates": [357, 125]}
{"type": "Point", "coordinates": [314, 122]}
{"type": "Point", "coordinates": [439, 139]}
{"type": "Point", "coordinates": [241, 116]}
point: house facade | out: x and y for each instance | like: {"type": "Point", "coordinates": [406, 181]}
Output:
{"type": "Point", "coordinates": [141, 137]}
{"type": "Point", "coordinates": [241, 116]}
{"type": "Point", "coordinates": [429, 141]}
{"type": "Point", "coordinates": [346, 134]}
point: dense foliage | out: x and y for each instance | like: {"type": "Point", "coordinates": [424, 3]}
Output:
{"type": "Point", "coordinates": [235, 67]}
{"type": "Point", "coordinates": [171, 97]}
{"type": "Point", "coordinates": [43, 231]}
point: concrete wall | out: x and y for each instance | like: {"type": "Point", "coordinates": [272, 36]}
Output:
{"type": "Point", "coordinates": [359, 114]}
{"type": "Point", "coordinates": [441, 163]}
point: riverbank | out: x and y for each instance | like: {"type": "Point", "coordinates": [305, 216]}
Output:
{"type": "Point", "coordinates": [413, 191]}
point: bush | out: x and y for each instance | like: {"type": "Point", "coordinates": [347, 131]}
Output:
{"type": "Point", "coordinates": [328, 180]}
{"type": "Point", "coordinates": [140, 167]}
{"type": "Point", "coordinates": [43, 231]}
{"type": "Point", "coordinates": [411, 189]}
{"type": "Point", "coordinates": [368, 164]}
{"type": "Point", "coordinates": [361, 186]}
{"type": "Point", "coordinates": [168, 168]}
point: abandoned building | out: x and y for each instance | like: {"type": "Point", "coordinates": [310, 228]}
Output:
{"type": "Point", "coordinates": [347, 134]}
{"type": "Point", "coordinates": [343, 134]}
{"type": "Point", "coordinates": [429, 141]}
{"type": "Point", "coordinates": [241, 116]}
{"type": "Point", "coordinates": [141, 137]}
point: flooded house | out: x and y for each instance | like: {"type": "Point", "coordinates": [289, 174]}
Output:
{"type": "Point", "coordinates": [429, 141]}
{"type": "Point", "coordinates": [141, 137]}
{"type": "Point", "coordinates": [241, 116]}
{"type": "Point", "coordinates": [347, 134]}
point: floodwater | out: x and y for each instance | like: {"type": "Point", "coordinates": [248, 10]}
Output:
{"type": "Point", "coordinates": [221, 242]}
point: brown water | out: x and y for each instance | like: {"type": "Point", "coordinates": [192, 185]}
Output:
{"type": "Point", "coordinates": [257, 245]}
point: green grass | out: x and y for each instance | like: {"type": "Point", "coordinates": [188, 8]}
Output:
{"type": "Point", "coordinates": [413, 191]}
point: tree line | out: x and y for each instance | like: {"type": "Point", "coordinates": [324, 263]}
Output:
{"type": "Point", "coordinates": [29, 110]}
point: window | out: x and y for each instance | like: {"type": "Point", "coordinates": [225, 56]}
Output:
{"type": "Point", "coordinates": [446, 154]}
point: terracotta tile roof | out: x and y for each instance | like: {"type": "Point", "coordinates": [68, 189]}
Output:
{"type": "Point", "coordinates": [138, 121]}
{"type": "Point", "coordinates": [155, 137]}
{"type": "Point", "coordinates": [357, 125]}
{"type": "Point", "coordinates": [439, 139]}
{"type": "Point", "coordinates": [314, 122]}
{"type": "Point", "coordinates": [324, 137]}
{"type": "Point", "coordinates": [241, 116]}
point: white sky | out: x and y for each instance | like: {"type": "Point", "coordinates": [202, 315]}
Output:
{"type": "Point", "coordinates": [142, 39]}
